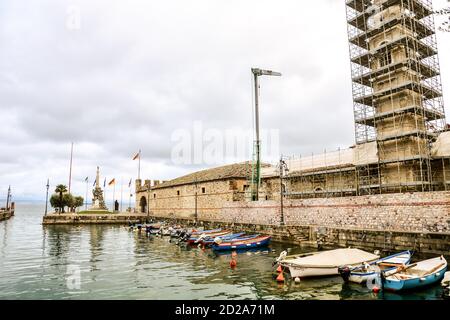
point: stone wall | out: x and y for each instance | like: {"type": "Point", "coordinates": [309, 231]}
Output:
{"type": "Point", "coordinates": [180, 201]}
{"type": "Point", "coordinates": [409, 212]}
{"type": "Point", "coordinates": [6, 214]}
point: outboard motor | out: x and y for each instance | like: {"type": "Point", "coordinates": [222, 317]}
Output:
{"type": "Point", "coordinates": [345, 273]}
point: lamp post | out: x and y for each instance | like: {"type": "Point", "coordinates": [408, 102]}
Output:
{"type": "Point", "coordinates": [46, 197]}
{"type": "Point", "coordinates": [283, 169]}
{"type": "Point", "coordinates": [8, 196]}
{"type": "Point", "coordinates": [196, 206]}
{"type": "Point", "coordinates": [256, 173]}
{"type": "Point", "coordinates": [87, 188]}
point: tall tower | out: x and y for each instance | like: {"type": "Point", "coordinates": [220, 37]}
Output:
{"type": "Point", "coordinates": [397, 91]}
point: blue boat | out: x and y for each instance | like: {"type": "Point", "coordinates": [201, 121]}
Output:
{"type": "Point", "coordinates": [242, 244]}
{"type": "Point", "coordinates": [415, 276]}
{"type": "Point", "coordinates": [210, 240]}
{"type": "Point", "coordinates": [361, 273]}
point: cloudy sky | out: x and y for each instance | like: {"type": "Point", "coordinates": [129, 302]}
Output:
{"type": "Point", "coordinates": [117, 76]}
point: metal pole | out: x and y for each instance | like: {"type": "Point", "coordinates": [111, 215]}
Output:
{"type": "Point", "coordinates": [196, 206]}
{"type": "Point", "coordinates": [282, 166]}
{"type": "Point", "coordinates": [258, 142]}
{"type": "Point", "coordinates": [139, 165]}
{"type": "Point", "coordinates": [70, 170]}
{"type": "Point", "coordinates": [114, 197]}
{"type": "Point", "coordinates": [46, 197]}
{"type": "Point", "coordinates": [87, 188]}
{"type": "Point", "coordinates": [121, 194]}
{"type": "Point", "coordinates": [7, 198]}
{"type": "Point", "coordinates": [148, 202]}
{"type": "Point", "coordinates": [129, 200]}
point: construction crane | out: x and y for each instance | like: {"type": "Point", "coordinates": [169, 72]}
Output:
{"type": "Point", "coordinates": [256, 170]}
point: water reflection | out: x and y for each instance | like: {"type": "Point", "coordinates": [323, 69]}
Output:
{"type": "Point", "coordinates": [118, 264]}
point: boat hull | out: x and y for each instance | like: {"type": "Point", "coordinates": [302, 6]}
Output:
{"type": "Point", "coordinates": [243, 245]}
{"type": "Point", "coordinates": [393, 283]}
{"type": "Point", "coordinates": [361, 277]}
{"type": "Point", "coordinates": [327, 263]}
{"type": "Point", "coordinates": [306, 272]}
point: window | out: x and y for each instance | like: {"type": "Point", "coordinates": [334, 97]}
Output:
{"type": "Point", "coordinates": [386, 59]}
{"type": "Point", "coordinates": [154, 196]}
{"type": "Point", "coordinates": [203, 190]}
{"type": "Point", "coordinates": [178, 192]}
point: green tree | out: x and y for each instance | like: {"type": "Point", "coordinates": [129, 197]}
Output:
{"type": "Point", "coordinates": [56, 202]}
{"type": "Point", "coordinates": [68, 201]}
{"type": "Point", "coordinates": [60, 190]}
{"type": "Point", "coordinates": [78, 202]}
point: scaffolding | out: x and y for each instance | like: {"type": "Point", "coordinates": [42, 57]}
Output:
{"type": "Point", "coordinates": [397, 92]}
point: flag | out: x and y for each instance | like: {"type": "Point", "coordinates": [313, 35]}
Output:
{"type": "Point", "coordinates": [113, 181]}
{"type": "Point", "coordinates": [95, 181]}
{"type": "Point", "coordinates": [137, 156]}
{"type": "Point", "coordinates": [129, 184]}
{"type": "Point", "coordinates": [86, 180]}
{"type": "Point", "coordinates": [104, 183]}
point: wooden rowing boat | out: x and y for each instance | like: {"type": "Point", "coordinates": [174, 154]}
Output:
{"type": "Point", "coordinates": [242, 244]}
{"type": "Point", "coordinates": [324, 263]}
{"type": "Point", "coordinates": [417, 275]}
{"type": "Point", "coordinates": [361, 273]}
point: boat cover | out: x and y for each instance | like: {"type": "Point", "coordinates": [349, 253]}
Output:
{"type": "Point", "coordinates": [334, 258]}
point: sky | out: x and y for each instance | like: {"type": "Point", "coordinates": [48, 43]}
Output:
{"type": "Point", "coordinates": [118, 76]}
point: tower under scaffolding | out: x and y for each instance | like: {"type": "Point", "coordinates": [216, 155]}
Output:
{"type": "Point", "coordinates": [397, 92]}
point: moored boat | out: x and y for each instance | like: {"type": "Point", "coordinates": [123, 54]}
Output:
{"type": "Point", "coordinates": [241, 244]}
{"type": "Point", "coordinates": [446, 286]}
{"type": "Point", "coordinates": [416, 275]}
{"type": "Point", "coordinates": [324, 263]}
{"type": "Point", "coordinates": [361, 273]}
{"type": "Point", "coordinates": [208, 240]}
{"type": "Point", "coordinates": [195, 239]}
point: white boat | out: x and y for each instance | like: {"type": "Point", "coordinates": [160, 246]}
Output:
{"type": "Point", "coordinates": [446, 285]}
{"type": "Point", "coordinates": [324, 263]}
{"type": "Point", "coordinates": [416, 275]}
{"type": "Point", "coordinates": [361, 273]}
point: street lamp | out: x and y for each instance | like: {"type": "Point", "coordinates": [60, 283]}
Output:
{"type": "Point", "coordinates": [283, 169]}
{"type": "Point", "coordinates": [46, 197]}
{"type": "Point", "coordinates": [256, 173]}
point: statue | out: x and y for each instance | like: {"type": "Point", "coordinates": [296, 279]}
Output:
{"type": "Point", "coordinates": [98, 203]}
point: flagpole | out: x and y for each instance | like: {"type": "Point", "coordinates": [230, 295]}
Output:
{"type": "Point", "coordinates": [70, 170]}
{"type": "Point", "coordinates": [121, 194]}
{"type": "Point", "coordinates": [129, 200]}
{"type": "Point", "coordinates": [139, 165]}
{"type": "Point", "coordinates": [87, 188]}
{"type": "Point", "coordinates": [114, 196]}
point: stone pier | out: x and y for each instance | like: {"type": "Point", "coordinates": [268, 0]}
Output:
{"type": "Point", "coordinates": [6, 214]}
{"type": "Point", "coordinates": [90, 218]}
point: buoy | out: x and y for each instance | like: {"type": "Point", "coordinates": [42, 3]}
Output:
{"type": "Point", "coordinates": [376, 289]}
{"type": "Point", "coordinates": [297, 280]}
{"type": "Point", "coordinates": [279, 269]}
{"type": "Point", "coordinates": [233, 263]}
{"type": "Point", "coordinates": [280, 277]}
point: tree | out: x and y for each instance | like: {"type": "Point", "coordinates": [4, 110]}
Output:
{"type": "Point", "coordinates": [56, 202]}
{"type": "Point", "coordinates": [68, 201]}
{"type": "Point", "coordinates": [77, 202]}
{"type": "Point", "coordinates": [60, 190]}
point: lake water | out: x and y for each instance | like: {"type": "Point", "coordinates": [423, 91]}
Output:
{"type": "Point", "coordinates": [110, 262]}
